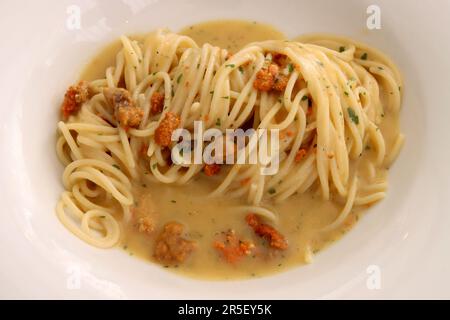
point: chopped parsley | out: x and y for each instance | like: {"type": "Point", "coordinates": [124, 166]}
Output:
{"type": "Point", "coordinates": [230, 65]}
{"type": "Point", "coordinates": [353, 116]}
{"type": "Point", "coordinates": [241, 69]}
{"type": "Point", "coordinates": [341, 49]}
{"type": "Point", "coordinates": [218, 122]}
{"type": "Point", "coordinates": [272, 190]}
{"type": "Point", "coordinates": [179, 78]}
{"type": "Point", "coordinates": [304, 98]}
{"type": "Point", "coordinates": [116, 166]}
{"type": "Point", "coordinates": [364, 56]}
{"type": "Point", "coordinates": [290, 67]}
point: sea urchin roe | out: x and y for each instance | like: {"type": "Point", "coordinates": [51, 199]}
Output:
{"type": "Point", "coordinates": [264, 80]}
{"type": "Point", "coordinates": [269, 78]}
{"type": "Point", "coordinates": [145, 225]}
{"type": "Point", "coordinates": [275, 239]}
{"type": "Point", "coordinates": [212, 169]}
{"type": "Point", "coordinates": [280, 83]}
{"type": "Point", "coordinates": [300, 155]}
{"type": "Point", "coordinates": [163, 134]}
{"type": "Point", "coordinates": [232, 249]}
{"type": "Point", "coordinates": [73, 99]}
{"type": "Point", "coordinates": [126, 112]}
{"type": "Point", "coordinates": [170, 246]}
{"type": "Point", "coordinates": [156, 103]}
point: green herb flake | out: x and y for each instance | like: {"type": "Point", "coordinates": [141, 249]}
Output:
{"type": "Point", "coordinates": [304, 98]}
{"type": "Point", "coordinates": [353, 116]}
{"type": "Point", "coordinates": [179, 78]}
{"type": "Point", "coordinates": [341, 49]}
{"type": "Point", "coordinates": [272, 190]}
{"type": "Point", "coordinates": [241, 69]}
{"type": "Point", "coordinates": [230, 65]}
{"type": "Point", "coordinates": [364, 56]}
{"type": "Point", "coordinates": [218, 123]}
{"type": "Point", "coordinates": [290, 67]}
{"type": "Point", "coordinates": [173, 201]}
{"type": "Point", "coordinates": [116, 166]}
{"type": "Point", "coordinates": [346, 93]}
{"type": "Point", "coordinates": [154, 166]}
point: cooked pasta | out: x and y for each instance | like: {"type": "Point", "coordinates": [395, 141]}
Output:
{"type": "Point", "coordinates": [326, 96]}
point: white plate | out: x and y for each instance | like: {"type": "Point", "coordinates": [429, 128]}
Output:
{"type": "Point", "coordinates": [405, 239]}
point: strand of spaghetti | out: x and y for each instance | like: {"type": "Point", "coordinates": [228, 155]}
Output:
{"type": "Point", "coordinates": [258, 210]}
{"type": "Point", "coordinates": [347, 208]}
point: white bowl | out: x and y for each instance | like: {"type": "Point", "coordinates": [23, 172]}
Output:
{"type": "Point", "coordinates": [405, 240]}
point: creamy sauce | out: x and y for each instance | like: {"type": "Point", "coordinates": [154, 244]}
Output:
{"type": "Point", "coordinates": [96, 68]}
{"type": "Point", "coordinates": [300, 216]}
{"type": "Point", "coordinates": [204, 220]}
{"type": "Point", "coordinates": [231, 34]}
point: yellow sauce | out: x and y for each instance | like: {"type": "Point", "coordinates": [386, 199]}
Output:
{"type": "Point", "coordinates": [231, 34]}
{"type": "Point", "coordinates": [300, 216]}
